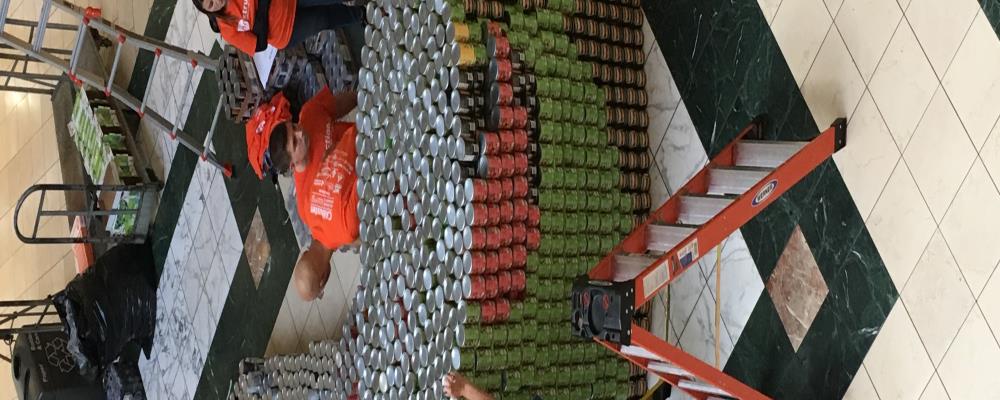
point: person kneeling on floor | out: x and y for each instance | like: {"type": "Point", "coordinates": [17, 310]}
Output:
{"type": "Point", "coordinates": [319, 150]}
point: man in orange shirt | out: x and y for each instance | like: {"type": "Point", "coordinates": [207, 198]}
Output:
{"type": "Point", "coordinates": [321, 153]}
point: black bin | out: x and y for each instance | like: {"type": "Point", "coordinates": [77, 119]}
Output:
{"type": "Point", "coordinates": [44, 370]}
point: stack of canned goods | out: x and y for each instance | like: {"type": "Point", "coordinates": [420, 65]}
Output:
{"type": "Point", "coordinates": [608, 33]}
{"type": "Point", "coordinates": [325, 372]}
{"type": "Point", "coordinates": [239, 84]}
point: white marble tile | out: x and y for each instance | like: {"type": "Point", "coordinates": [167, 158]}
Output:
{"type": "Point", "coordinates": [834, 86]}
{"type": "Point", "coordinates": [681, 154]}
{"type": "Point", "coordinates": [769, 8]}
{"type": "Point", "coordinates": [299, 309]}
{"type": "Point", "coordinates": [900, 225]}
{"type": "Point", "coordinates": [940, 27]}
{"type": "Point", "coordinates": [861, 387]}
{"type": "Point", "coordinates": [939, 155]}
{"type": "Point", "coordinates": [203, 328]}
{"type": "Point", "coordinates": [800, 42]}
{"type": "Point", "coordinates": [348, 267]}
{"type": "Point", "coordinates": [897, 363]}
{"type": "Point", "coordinates": [903, 84]}
{"type": "Point", "coordinates": [193, 206]}
{"type": "Point", "coordinates": [284, 337]}
{"type": "Point", "coordinates": [741, 284]}
{"type": "Point", "coordinates": [205, 246]}
{"type": "Point", "coordinates": [658, 189]}
{"type": "Point", "coordinates": [989, 303]}
{"type": "Point", "coordinates": [230, 244]}
{"type": "Point", "coordinates": [664, 96]}
{"type": "Point", "coordinates": [990, 153]}
{"type": "Point", "coordinates": [972, 82]}
{"type": "Point", "coordinates": [313, 330]}
{"type": "Point", "coordinates": [937, 297]}
{"type": "Point", "coordinates": [217, 287]}
{"type": "Point", "coordinates": [698, 338]}
{"type": "Point", "coordinates": [648, 40]}
{"type": "Point", "coordinates": [972, 225]}
{"type": "Point", "coordinates": [684, 294]}
{"type": "Point", "coordinates": [935, 390]}
{"type": "Point", "coordinates": [205, 33]}
{"type": "Point", "coordinates": [192, 283]}
{"type": "Point", "coordinates": [217, 204]}
{"type": "Point", "coordinates": [969, 369]}
{"type": "Point", "coordinates": [867, 26]}
{"type": "Point", "coordinates": [870, 156]}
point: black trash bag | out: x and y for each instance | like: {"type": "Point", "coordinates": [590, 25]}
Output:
{"type": "Point", "coordinates": [122, 381]}
{"type": "Point", "coordinates": [111, 305]}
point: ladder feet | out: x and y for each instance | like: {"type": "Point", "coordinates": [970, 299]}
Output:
{"type": "Point", "coordinates": [603, 310]}
{"type": "Point", "coordinates": [840, 135]}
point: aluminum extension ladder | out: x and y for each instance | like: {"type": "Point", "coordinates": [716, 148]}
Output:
{"type": "Point", "coordinates": [91, 18]}
{"type": "Point", "coordinates": [745, 177]}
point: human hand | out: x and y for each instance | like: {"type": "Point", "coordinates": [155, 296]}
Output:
{"type": "Point", "coordinates": [455, 385]}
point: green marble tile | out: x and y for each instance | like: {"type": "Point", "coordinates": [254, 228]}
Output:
{"type": "Point", "coordinates": [991, 8]}
{"type": "Point", "coordinates": [156, 27]}
{"type": "Point", "coordinates": [729, 69]}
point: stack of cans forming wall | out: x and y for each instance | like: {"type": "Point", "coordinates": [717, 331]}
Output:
{"type": "Point", "coordinates": [608, 33]}
{"type": "Point", "coordinates": [239, 84]}
{"type": "Point", "coordinates": [320, 374]}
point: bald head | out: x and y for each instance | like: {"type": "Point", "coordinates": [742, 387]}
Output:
{"type": "Point", "coordinates": [311, 273]}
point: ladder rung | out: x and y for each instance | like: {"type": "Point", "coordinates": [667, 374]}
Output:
{"type": "Point", "coordinates": [641, 352]}
{"type": "Point", "coordinates": [698, 209]}
{"type": "Point", "coordinates": [629, 266]}
{"type": "Point", "coordinates": [702, 387]}
{"type": "Point", "coordinates": [765, 153]}
{"type": "Point", "coordinates": [662, 238]}
{"type": "Point", "coordinates": [735, 180]}
{"type": "Point", "coordinates": [667, 368]}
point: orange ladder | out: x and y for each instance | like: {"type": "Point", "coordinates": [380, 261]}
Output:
{"type": "Point", "coordinates": [744, 178]}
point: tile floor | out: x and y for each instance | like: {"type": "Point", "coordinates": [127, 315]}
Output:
{"type": "Point", "coordinates": [918, 80]}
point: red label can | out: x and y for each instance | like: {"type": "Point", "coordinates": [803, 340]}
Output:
{"type": "Point", "coordinates": [480, 189]}
{"type": "Point", "coordinates": [488, 310]}
{"type": "Point", "coordinates": [494, 28]}
{"type": "Point", "coordinates": [503, 282]}
{"type": "Point", "coordinates": [506, 168]}
{"type": "Point", "coordinates": [501, 47]}
{"type": "Point", "coordinates": [479, 238]}
{"type": "Point", "coordinates": [493, 214]}
{"type": "Point", "coordinates": [520, 256]}
{"type": "Point", "coordinates": [506, 212]}
{"type": "Point", "coordinates": [494, 238]}
{"type": "Point", "coordinates": [506, 255]}
{"type": "Point", "coordinates": [480, 214]}
{"type": "Point", "coordinates": [520, 164]}
{"type": "Point", "coordinates": [495, 191]}
{"type": "Point", "coordinates": [479, 264]}
{"type": "Point", "coordinates": [534, 216]}
{"type": "Point", "coordinates": [502, 69]}
{"type": "Point", "coordinates": [520, 139]}
{"type": "Point", "coordinates": [505, 94]}
{"type": "Point", "coordinates": [492, 262]}
{"type": "Point", "coordinates": [478, 288]}
{"type": "Point", "coordinates": [534, 238]}
{"type": "Point", "coordinates": [520, 117]}
{"type": "Point", "coordinates": [492, 287]}
{"type": "Point", "coordinates": [506, 235]}
{"type": "Point", "coordinates": [492, 143]}
{"type": "Point", "coordinates": [520, 233]}
{"type": "Point", "coordinates": [502, 308]}
{"type": "Point", "coordinates": [507, 141]}
{"type": "Point", "coordinates": [507, 187]}
{"type": "Point", "coordinates": [520, 210]}
{"type": "Point", "coordinates": [518, 280]}
{"type": "Point", "coordinates": [520, 187]}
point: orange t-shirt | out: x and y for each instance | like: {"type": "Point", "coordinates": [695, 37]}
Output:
{"type": "Point", "coordinates": [326, 192]}
{"type": "Point", "coordinates": [239, 31]}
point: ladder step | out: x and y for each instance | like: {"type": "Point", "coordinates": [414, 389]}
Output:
{"type": "Point", "coordinates": [670, 369]}
{"type": "Point", "coordinates": [640, 352]}
{"type": "Point", "coordinates": [629, 266]}
{"type": "Point", "coordinates": [698, 209]}
{"type": "Point", "coordinates": [662, 238]}
{"type": "Point", "coordinates": [765, 153]}
{"type": "Point", "coordinates": [702, 387]}
{"type": "Point", "coordinates": [735, 180]}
